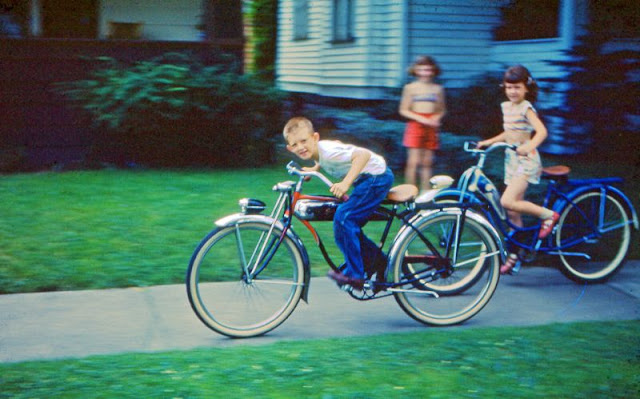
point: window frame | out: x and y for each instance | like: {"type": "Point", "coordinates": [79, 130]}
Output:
{"type": "Point", "coordinates": [301, 20]}
{"type": "Point", "coordinates": [343, 21]}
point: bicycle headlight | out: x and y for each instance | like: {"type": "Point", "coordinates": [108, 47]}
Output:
{"type": "Point", "coordinates": [251, 206]}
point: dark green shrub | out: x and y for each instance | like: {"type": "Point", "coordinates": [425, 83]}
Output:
{"type": "Point", "coordinates": [602, 96]}
{"type": "Point", "coordinates": [12, 159]}
{"type": "Point", "coordinates": [385, 137]}
{"type": "Point", "coordinates": [475, 110]}
{"type": "Point", "coordinates": [174, 111]}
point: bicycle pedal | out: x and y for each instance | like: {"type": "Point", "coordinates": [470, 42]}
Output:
{"type": "Point", "coordinates": [516, 268]}
{"type": "Point", "coordinates": [346, 288]}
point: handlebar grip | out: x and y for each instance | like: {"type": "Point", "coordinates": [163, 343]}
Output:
{"type": "Point", "coordinates": [470, 145]}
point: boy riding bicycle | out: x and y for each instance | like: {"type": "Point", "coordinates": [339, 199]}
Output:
{"type": "Point", "coordinates": [354, 166]}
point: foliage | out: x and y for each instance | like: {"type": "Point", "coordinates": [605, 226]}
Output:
{"type": "Point", "coordinates": [475, 110]}
{"type": "Point", "coordinates": [603, 94]}
{"type": "Point", "coordinates": [12, 158]}
{"type": "Point", "coordinates": [358, 127]}
{"type": "Point", "coordinates": [174, 111]}
{"type": "Point", "coordinates": [263, 14]}
{"type": "Point", "coordinates": [572, 360]}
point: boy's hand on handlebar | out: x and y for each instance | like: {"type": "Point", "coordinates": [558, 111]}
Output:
{"type": "Point", "coordinates": [339, 189]}
{"type": "Point", "coordinates": [483, 143]}
{"type": "Point", "coordinates": [313, 168]}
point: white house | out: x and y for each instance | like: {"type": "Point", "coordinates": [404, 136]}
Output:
{"type": "Point", "coordinates": [361, 49]}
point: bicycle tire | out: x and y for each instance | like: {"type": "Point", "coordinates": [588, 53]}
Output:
{"type": "Point", "coordinates": [596, 255]}
{"type": "Point", "coordinates": [467, 265]}
{"type": "Point", "coordinates": [457, 302]}
{"type": "Point", "coordinates": [222, 296]}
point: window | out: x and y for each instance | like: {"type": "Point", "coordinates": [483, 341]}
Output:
{"type": "Point", "coordinates": [342, 20]}
{"type": "Point", "coordinates": [70, 19]}
{"type": "Point", "coordinates": [529, 19]}
{"type": "Point", "coordinates": [614, 18]}
{"type": "Point", "coordinates": [301, 20]}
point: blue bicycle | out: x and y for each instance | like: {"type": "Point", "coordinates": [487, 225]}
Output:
{"type": "Point", "coordinates": [592, 236]}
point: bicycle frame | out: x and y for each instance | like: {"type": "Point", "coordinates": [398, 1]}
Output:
{"type": "Point", "coordinates": [284, 211]}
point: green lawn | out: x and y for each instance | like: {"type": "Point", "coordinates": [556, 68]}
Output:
{"type": "Point", "coordinates": [585, 360]}
{"type": "Point", "coordinates": [118, 228]}
{"type": "Point", "coordinates": [103, 229]}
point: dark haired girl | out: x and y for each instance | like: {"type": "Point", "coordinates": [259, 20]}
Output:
{"type": "Point", "coordinates": [522, 166]}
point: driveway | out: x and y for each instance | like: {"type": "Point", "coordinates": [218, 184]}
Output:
{"type": "Point", "coordinates": [81, 323]}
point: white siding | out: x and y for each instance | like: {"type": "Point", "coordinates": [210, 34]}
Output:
{"type": "Point", "coordinates": [389, 34]}
{"type": "Point", "coordinates": [457, 33]}
{"type": "Point", "coordinates": [162, 19]}
{"type": "Point", "coordinates": [341, 69]}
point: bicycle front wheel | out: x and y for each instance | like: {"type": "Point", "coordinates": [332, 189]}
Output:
{"type": "Point", "coordinates": [233, 291]}
{"type": "Point", "coordinates": [593, 235]}
{"type": "Point", "coordinates": [446, 295]}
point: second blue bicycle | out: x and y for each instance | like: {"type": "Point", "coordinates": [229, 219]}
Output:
{"type": "Point", "coordinates": [592, 236]}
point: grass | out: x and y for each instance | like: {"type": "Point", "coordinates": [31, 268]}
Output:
{"type": "Point", "coordinates": [104, 229]}
{"type": "Point", "coordinates": [119, 228]}
{"type": "Point", "coordinates": [594, 360]}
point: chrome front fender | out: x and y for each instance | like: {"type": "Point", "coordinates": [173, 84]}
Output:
{"type": "Point", "coordinates": [240, 218]}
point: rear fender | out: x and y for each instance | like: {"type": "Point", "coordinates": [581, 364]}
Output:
{"type": "Point", "coordinates": [459, 196]}
{"type": "Point", "coordinates": [240, 218]}
{"type": "Point", "coordinates": [561, 203]}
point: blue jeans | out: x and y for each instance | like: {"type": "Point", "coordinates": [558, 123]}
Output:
{"type": "Point", "coordinates": [368, 192]}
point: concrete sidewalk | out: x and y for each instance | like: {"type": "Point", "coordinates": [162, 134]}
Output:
{"type": "Point", "coordinates": [82, 323]}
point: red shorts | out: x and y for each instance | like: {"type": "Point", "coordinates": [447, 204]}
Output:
{"type": "Point", "coordinates": [417, 135]}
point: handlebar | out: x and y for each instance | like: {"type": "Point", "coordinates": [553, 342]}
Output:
{"type": "Point", "coordinates": [295, 169]}
{"type": "Point", "coordinates": [472, 147]}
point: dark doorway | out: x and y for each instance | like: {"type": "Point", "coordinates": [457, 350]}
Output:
{"type": "Point", "coordinates": [70, 19]}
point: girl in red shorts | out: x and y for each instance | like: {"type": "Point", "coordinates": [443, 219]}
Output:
{"type": "Point", "coordinates": [423, 105]}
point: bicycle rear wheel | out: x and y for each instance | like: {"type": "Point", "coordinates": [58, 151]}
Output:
{"type": "Point", "coordinates": [227, 288]}
{"type": "Point", "coordinates": [595, 233]}
{"type": "Point", "coordinates": [463, 289]}
{"type": "Point", "coordinates": [467, 251]}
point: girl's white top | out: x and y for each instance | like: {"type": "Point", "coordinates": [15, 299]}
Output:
{"type": "Point", "coordinates": [335, 159]}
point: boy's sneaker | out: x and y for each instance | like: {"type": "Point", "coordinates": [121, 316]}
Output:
{"type": "Point", "coordinates": [341, 279]}
{"type": "Point", "coordinates": [511, 266]}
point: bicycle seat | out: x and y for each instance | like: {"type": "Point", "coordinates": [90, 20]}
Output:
{"type": "Point", "coordinates": [556, 171]}
{"type": "Point", "coordinates": [402, 193]}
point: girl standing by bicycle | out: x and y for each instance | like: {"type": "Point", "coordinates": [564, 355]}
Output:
{"type": "Point", "coordinates": [523, 128]}
{"type": "Point", "coordinates": [423, 105]}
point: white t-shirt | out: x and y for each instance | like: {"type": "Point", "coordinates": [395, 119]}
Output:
{"type": "Point", "coordinates": [335, 159]}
